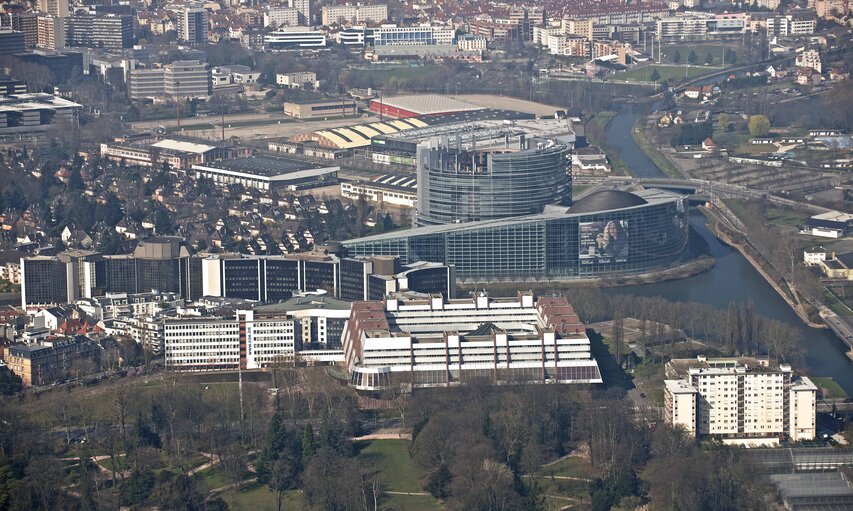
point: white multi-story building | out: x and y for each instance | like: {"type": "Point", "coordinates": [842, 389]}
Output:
{"type": "Point", "coordinates": [739, 399]}
{"type": "Point", "coordinates": [790, 25]}
{"type": "Point", "coordinates": [303, 7]}
{"type": "Point", "coordinates": [295, 38]}
{"type": "Point", "coordinates": [281, 17]}
{"type": "Point", "coordinates": [296, 80]}
{"type": "Point", "coordinates": [809, 59]}
{"type": "Point", "coordinates": [354, 13]}
{"type": "Point", "coordinates": [433, 342]}
{"type": "Point", "coordinates": [417, 35]}
{"type": "Point", "coordinates": [259, 337]}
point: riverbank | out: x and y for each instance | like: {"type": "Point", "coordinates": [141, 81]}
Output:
{"type": "Point", "coordinates": [801, 313]}
{"type": "Point", "coordinates": [680, 271]}
{"type": "Point", "coordinates": [595, 130]}
{"type": "Point", "coordinates": [648, 147]}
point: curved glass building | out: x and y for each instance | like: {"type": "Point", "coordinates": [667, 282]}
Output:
{"type": "Point", "coordinates": [604, 234]}
{"type": "Point", "coordinates": [467, 185]}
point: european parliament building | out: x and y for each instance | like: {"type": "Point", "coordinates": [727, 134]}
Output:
{"type": "Point", "coordinates": [605, 233]}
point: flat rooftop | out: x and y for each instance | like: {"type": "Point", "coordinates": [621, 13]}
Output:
{"type": "Point", "coordinates": [488, 131]}
{"type": "Point", "coordinates": [424, 104]}
{"type": "Point", "coordinates": [834, 216]}
{"type": "Point", "coordinates": [263, 166]}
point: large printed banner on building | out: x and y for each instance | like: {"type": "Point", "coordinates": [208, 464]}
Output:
{"type": "Point", "coordinates": [603, 242]}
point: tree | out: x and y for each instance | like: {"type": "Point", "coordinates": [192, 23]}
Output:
{"type": "Point", "coordinates": [730, 56]}
{"type": "Point", "coordinates": [692, 57]}
{"type": "Point", "coordinates": [759, 125]}
{"type": "Point", "coordinates": [655, 75]}
{"type": "Point", "coordinates": [709, 58]}
{"type": "Point", "coordinates": [676, 57]}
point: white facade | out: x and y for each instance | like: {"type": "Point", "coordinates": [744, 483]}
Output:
{"type": "Point", "coordinates": [206, 344]}
{"type": "Point", "coordinates": [296, 80]}
{"type": "Point", "coordinates": [739, 398]}
{"type": "Point", "coordinates": [374, 193]}
{"type": "Point", "coordinates": [809, 59]}
{"type": "Point", "coordinates": [816, 256]}
{"type": "Point", "coordinates": [295, 38]}
{"type": "Point", "coordinates": [433, 342]}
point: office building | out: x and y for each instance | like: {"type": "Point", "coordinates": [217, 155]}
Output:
{"type": "Point", "coordinates": [313, 108]}
{"type": "Point", "coordinates": [145, 83]}
{"type": "Point", "coordinates": [308, 326]}
{"type": "Point", "coordinates": [178, 153]}
{"type": "Point", "coordinates": [492, 175]}
{"type": "Point", "coordinates": [281, 17]}
{"type": "Point", "coordinates": [739, 399]}
{"type": "Point", "coordinates": [193, 25]}
{"type": "Point", "coordinates": [11, 41]}
{"type": "Point", "coordinates": [100, 31]}
{"type": "Point", "coordinates": [527, 17]}
{"type": "Point", "coordinates": [51, 360]}
{"type": "Point", "coordinates": [343, 14]}
{"type": "Point", "coordinates": [391, 189]}
{"type": "Point", "coordinates": [24, 116]}
{"type": "Point", "coordinates": [187, 79]}
{"type": "Point", "coordinates": [59, 279]}
{"type": "Point", "coordinates": [433, 342]}
{"type": "Point", "coordinates": [374, 278]}
{"type": "Point", "coordinates": [417, 35]}
{"type": "Point", "coordinates": [606, 233]}
{"type": "Point", "coordinates": [295, 38]}
{"type": "Point", "coordinates": [267, 173]}
{"type": "Point", "coordinates": [58, 8]}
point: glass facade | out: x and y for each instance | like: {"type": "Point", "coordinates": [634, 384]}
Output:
{"type": "Point", "coordinates": [551, 245]}
{"type": "Point", "coordinates": [466, 186]}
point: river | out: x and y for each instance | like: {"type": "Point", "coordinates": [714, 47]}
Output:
{"type": "Point", "coordinates": [732, 279]}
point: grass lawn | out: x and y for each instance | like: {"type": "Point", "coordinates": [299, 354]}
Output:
{"type": "Point", "coordinates": [611, 346]}
{"type": "Point", "coordinates": [400, 72]}
{"type": "Point", "coordinates": [702, 50]}
{"type": "Point", "coordinates": [839, 303]}
{"type": "Point", "coordinates": [411, 503]}
{"type": "Point", "coordinates": [391, 459]}
{"type": "Point", "coordinates": [258, 497]}
{"type": "Point", "coordinates": [572, 466]}
{"type": "Point", "coordinates": [669, 73]}
{"type": "Point", "coordinates": [786, 217]}
{"type": "Point", "coordinates": [578, 189]}
{"type": "Point", "coordinates": [651, 151]}
{"type": "Point", "coordinates": [831, 389]}
{"type": "Point", "coordinates": [210, 479]}
{"type": "Point", "coordinates": [397, 473]}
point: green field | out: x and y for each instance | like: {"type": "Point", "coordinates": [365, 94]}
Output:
{"type": "Point", "coordinates": [831, 389]}
{"type": "Point", "coordinates": [570, 466]}
{"type": "Point", "coordinates": [259, 497]}
{"type": "Point", "coordinates": [670, 73]}
{"type": "Point", "coordinates": [391, 459]}
{"type": "Point", "coordinates": [702, 51]}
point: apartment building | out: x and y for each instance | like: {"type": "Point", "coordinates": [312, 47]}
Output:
{"type": "Point", "coordinates": [51, 360]}
{"type": "Point", "coordinates": [55, 7]}
{"type": "Point", "coordinates": [281, 17]}
{"type": "Point", "coordinates": [187, 79]}
{"type": "Point", "coordinates": [739, 398]}
{"type": "Point", "coordinates": [296, 80]}
{"type": "Point", "coordinates": [193, 25]}
{"type": "Point", "coordinates": [51, 32]}
{"type": "Point", "coordinates": [433, 342]}
{"type": "Point", "coordinates": [349, 13]}
{"type": "Point", "coordinates": [99, 31]}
